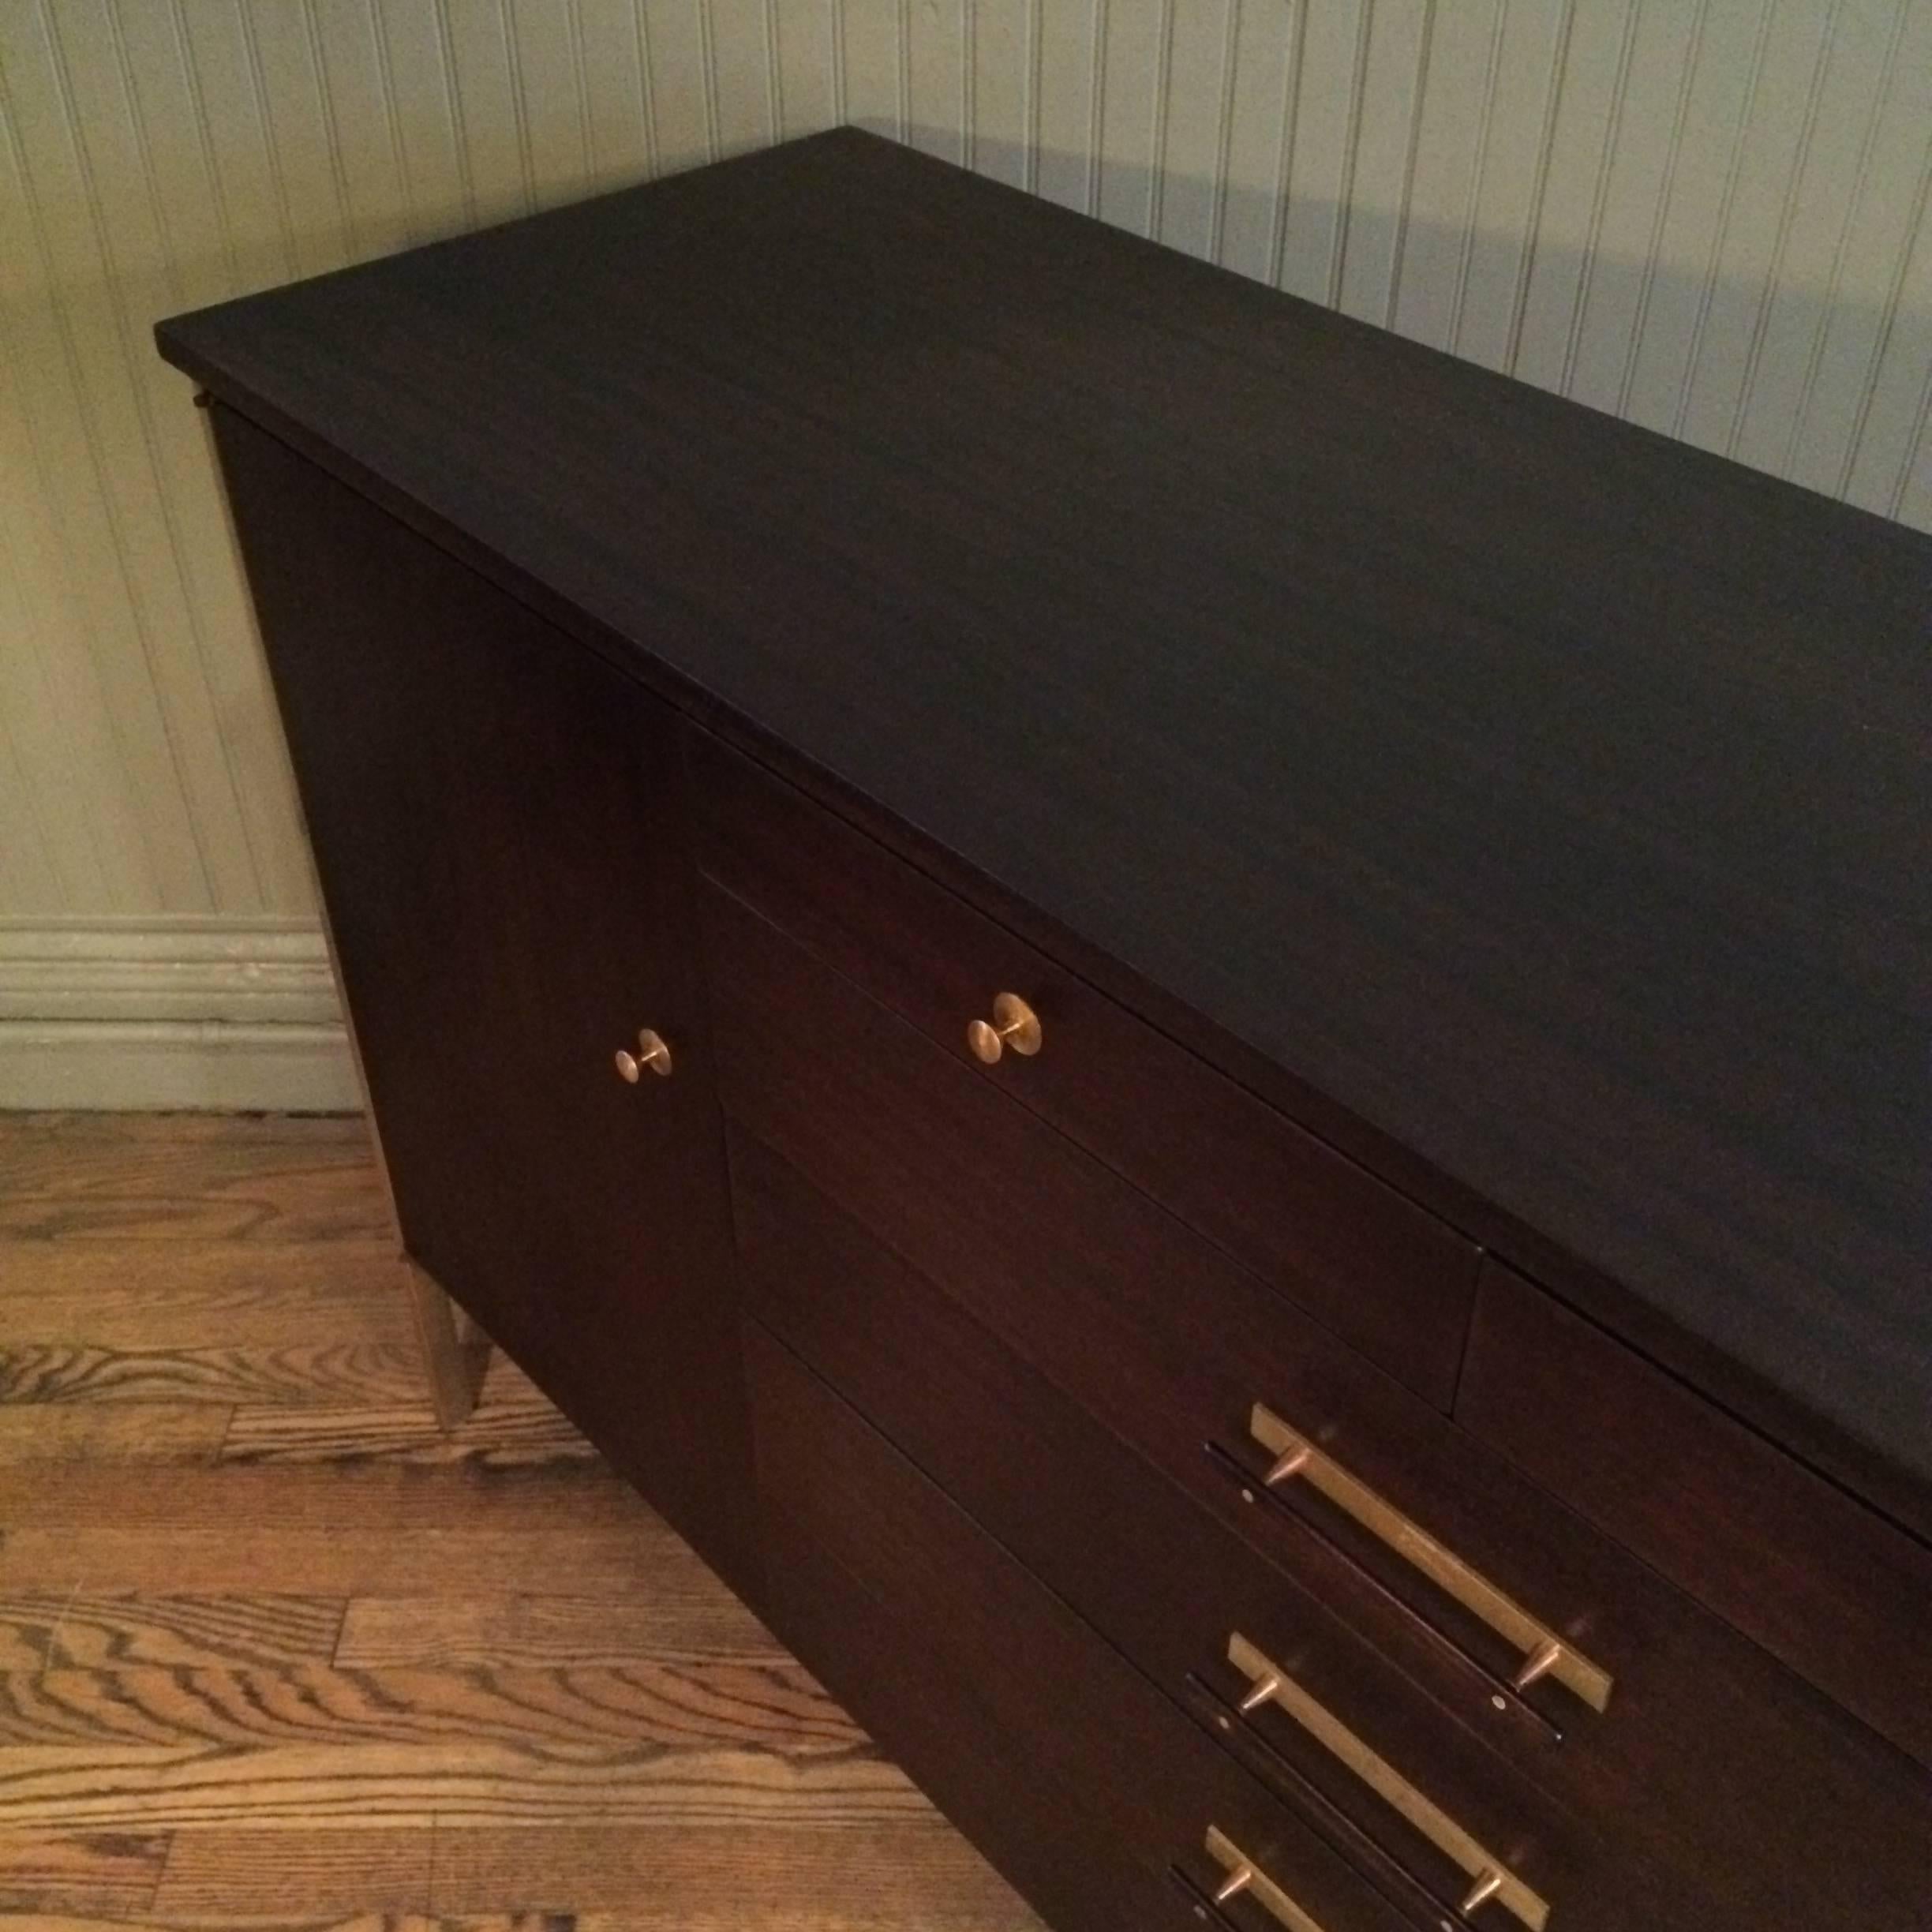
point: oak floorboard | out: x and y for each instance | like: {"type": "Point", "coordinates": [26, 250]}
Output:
{"type": "Point", "coordinates": [205, 1295]}
{"type": "Point", "coordinates": [232, 1876]}
{"type": "Point", "coordinates": [181, 1179]}
{"type": "Point", "coordinates": [113, 1873]}
{"type": "Point", "coordinates": [513, 1426]}
{"type": "Point", "coordinates": [355, 1922]}
{"type": "Point", "coordinates": [294, 1377]}
{"type": "Point", "coordinates": [470, 1781]}
{"type": "Point", "coordinates": [273, 1653]}
{"type": "Point", "coordinates": [916, 1872]}
{"type": "Point", "coordinates": [47, 1133]}
{"type": "Point", "coordinates": [685, 1615]}
{"type": "Point", "coordinates": [28, 1622]}
{"type": "Point", "coordinates": [565, 1715]}
{"type": "Point", "coordinates": [333, 1561]}
{"type": "Point", "coordinates": [104, 1433]}
{"type": "Point", "coordinates": [242, 1496]}
{"type": "Point", "coordinates": [190, 1633]}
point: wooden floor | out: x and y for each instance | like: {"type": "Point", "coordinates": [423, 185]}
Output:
{"type": "Point", "coordinates": [273, 1653]}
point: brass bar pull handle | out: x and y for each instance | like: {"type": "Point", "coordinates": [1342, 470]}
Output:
{"type": "Point", "coordinates": [1489, 1877]}
{"type": "Point", "coordinates": [1244, 1875]}
{"type": "Point", "coordinates": [1545, 1653]}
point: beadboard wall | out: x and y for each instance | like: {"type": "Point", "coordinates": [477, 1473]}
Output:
{"type": "Point", "coordinates": [1708, 216]}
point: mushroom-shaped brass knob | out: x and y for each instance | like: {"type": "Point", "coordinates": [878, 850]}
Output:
{"type": "Point", "coordinates": [1014, 1024]}
{"type": "Point", "coordinates": [652, 1052]}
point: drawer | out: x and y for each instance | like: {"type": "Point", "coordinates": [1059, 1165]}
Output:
{"type": "Point", "coordinates": [1387, 1276]}
{"type": "Point", "coordinates": [1144, 1563]}
{"type": "Point", "coordinates": [1172, 1347]}
{"type": "Point", "coordinates": [1841, 1595]}
{"type": "Point", "coordinates": [1093, 1795]}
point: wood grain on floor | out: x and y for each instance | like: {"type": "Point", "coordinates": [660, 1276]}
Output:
{"type": "Point", "coordinates": [274, 1652]}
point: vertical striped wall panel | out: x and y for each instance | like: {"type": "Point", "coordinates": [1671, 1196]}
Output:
{"type": "Point", "coordinates": [1708, 216]}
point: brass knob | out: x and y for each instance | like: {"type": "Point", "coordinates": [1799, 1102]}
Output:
{"type": "Point", "coordinates": [1014, 1024]}
{"type": "Point", "coordinates": [652, 1052]}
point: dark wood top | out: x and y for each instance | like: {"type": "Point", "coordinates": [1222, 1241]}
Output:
{"type": "Point", "coordinates": [1539, 806]}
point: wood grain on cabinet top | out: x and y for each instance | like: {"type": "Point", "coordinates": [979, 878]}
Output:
{"type": "Point", "coordinates": [1536, 806]}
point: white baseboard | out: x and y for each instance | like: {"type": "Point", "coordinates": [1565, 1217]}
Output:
{"type": "Point", "coordinates": [229, 1015]}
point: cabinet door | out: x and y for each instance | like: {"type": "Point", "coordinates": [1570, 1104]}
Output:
{"type": "Point", "coordinates": [498, 826]}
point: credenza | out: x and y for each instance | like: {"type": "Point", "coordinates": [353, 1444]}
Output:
{"type": "Point", "coordinates": [1204, 1036]}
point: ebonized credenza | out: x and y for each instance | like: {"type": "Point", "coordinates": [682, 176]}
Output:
{"type": "Point", "coordinates": [1205, 1037]}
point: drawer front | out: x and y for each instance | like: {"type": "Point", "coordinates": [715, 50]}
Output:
{"type": "Point", "coordinates": [1171, 1348]}
{"type": "Point", "coordinates": [1090, 1793]}
{"type": "Point", "coordinates": [1820, 1582]}
{"type": "Point", "coordinates": [1383, 1274]}
{"type": "Point", "coordinates": [1141, 1561]}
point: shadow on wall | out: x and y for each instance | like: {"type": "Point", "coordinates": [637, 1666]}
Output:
{"type": "Point", "coordinates": [1785, 378]}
